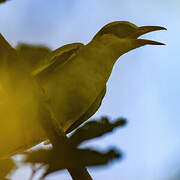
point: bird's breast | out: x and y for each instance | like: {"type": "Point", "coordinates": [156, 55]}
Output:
{"type": "Point", "coordinates": [73, 88]}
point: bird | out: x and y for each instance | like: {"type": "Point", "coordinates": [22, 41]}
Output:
{"type": "Point", "coordinates": [72, 79]}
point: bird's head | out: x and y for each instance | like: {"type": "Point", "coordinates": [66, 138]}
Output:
{"type": "Point", "coordinates": [123, 36]}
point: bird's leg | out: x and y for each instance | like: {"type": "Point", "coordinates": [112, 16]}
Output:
{"type": "Point", "coordinates": [60, 142]}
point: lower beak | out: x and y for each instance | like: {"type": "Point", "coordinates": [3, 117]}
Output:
{"type": "Point", "coordinates": [143, 30]}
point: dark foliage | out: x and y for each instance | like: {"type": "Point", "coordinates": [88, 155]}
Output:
{"type": "Point", "coordinates": [94, 129]}
{"type": "Point", "coordinates": [3, 1]}
{"type": "Point", "coordinates": [71, 156]}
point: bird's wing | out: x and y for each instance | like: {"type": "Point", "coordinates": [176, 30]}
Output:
{"type": "Point", "coordinates": [90, 112]}
{"type": "Point", "coordinates": [56, 59]}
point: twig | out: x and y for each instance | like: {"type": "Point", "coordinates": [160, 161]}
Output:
{"type": "Point", "coordinates": [79, 174]}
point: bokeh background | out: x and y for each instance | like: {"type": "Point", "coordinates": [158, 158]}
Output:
{"type": "Point", "coordinates": [144, 86]}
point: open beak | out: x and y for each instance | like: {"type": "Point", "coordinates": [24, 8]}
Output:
{"type": "Point", "coordinates": [143, 30]}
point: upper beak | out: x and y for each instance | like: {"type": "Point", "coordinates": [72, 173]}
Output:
{"type": "Point", "coordinates": [146, 29]}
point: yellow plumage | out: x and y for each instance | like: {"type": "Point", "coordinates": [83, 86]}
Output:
{"type": "Point", "coordinates": [72, 79]}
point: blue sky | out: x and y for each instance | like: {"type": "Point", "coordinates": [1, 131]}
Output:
{"type": "Point", "coordinates": [144, 85]}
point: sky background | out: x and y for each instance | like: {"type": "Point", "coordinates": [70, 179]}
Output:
{"type": "Point", "coordinates": [144, 85]}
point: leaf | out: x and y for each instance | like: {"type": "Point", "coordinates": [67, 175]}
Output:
{"type": "Point", "coordinates": [7, 52]}
{"type": "Point", "coordinates": [56, 161]}
{"type": "Point", "coordinates": [37, 156]}
{"type": "Point", "coordinates": [67, 155]}
{"type": "Point", "coordinates": [84, 158]}
{"type": "Point", "coordinates": [94, 129]}
{"type": "Point", "coordinates": [3, 1]}
{"type": "Point", "coordinates": [6, 167]}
